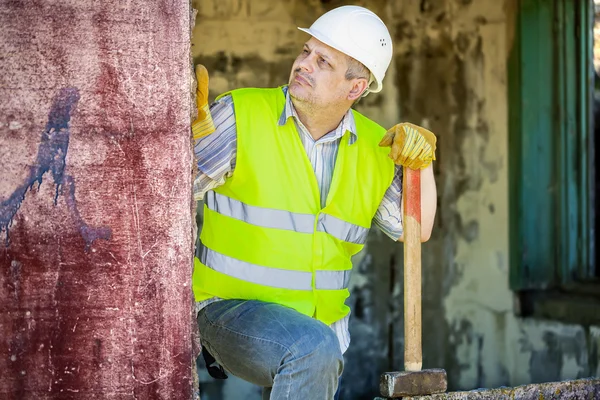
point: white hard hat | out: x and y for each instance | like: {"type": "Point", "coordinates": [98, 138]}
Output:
{"type": "Point", "coordinates": [358, 33]}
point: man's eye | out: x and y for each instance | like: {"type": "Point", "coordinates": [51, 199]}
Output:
{"type": "Point", "coordinates": [322, 61]}
{"type": "Point", "coordinates": [305, 51]}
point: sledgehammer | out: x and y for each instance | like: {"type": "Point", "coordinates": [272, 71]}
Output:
{"type": "Point", "coordinates": [412, 381]}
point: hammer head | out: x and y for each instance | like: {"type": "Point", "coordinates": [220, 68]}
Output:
{"type": "Point", "coordinates": [413, 383]}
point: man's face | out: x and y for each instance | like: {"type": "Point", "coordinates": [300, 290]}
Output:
{"type": "Point", "coordinates": [318, 75]}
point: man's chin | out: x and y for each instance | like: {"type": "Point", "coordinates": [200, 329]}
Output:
{"type": "Point", "coordinates": [297, 91]}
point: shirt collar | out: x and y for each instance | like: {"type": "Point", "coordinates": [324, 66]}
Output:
{"type": "Point", "coordinates": [347, 123]}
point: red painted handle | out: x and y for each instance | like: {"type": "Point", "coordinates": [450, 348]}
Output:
{"type": "Point", "coordinates": [411, 195]}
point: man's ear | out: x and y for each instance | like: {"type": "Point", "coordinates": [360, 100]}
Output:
{"type": "Point", "coordinates": [359, 86]}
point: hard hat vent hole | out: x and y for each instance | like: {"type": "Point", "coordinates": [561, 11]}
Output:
{"type": "Point", "coordinates": [383, 43]}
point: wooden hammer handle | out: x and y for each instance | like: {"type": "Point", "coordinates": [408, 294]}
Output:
{"type": "Point", "coordinates": [411, 196]}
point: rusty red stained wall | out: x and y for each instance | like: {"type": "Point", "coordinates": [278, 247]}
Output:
{"type": "Point", "coordinates": [95, 200]}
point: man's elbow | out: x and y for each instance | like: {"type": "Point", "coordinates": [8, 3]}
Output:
{"type": "Point", "coordinates": [427, 221]}
{"type": "Point", "coordinates": [425, 235]}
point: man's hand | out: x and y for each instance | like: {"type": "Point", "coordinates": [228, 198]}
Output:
{"type": "Point", "coordinates": [412, 145]}
{"type": "Point", "coordinates": [203, 125]}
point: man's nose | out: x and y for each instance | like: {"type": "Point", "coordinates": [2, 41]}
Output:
{"type": "Point", "coordinates": [307, 63]}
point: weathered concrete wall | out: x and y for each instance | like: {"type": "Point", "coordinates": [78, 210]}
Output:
{"type": "Point", "coordinates": [449, 73]}
{"type": "Point", "coordinates": [459, 60]}
{"type": "Point", "coordinates": [95, 200]}
{"type": "Point", "coordinates": [451, 69]}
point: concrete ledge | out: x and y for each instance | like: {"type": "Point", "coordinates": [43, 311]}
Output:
{"type": "Point", "coordinates": [584, 389]}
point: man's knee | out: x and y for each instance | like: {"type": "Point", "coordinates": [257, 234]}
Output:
{"type": "Point", "coordinates": [329, 355]}
{"type": "Point", "coordinates": [322, 349]}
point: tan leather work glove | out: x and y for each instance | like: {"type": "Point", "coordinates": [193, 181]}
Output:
{"type": "Point", "coordinates": [203, 125]}
{"type": "Point", "coordinates": [412, 146]}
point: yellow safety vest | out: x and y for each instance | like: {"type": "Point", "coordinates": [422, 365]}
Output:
{"type": "Point", "coordinates": [265, 235]}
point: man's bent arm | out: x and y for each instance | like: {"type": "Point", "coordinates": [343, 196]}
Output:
{"type": "Point", "coordinates": [215, 154]}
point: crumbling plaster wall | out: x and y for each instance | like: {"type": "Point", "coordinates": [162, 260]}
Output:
{"type": "Point", "coordinates": [449, 73]}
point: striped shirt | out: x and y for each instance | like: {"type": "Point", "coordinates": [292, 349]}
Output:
{"type": "Point", "coordinates": [216, 158]}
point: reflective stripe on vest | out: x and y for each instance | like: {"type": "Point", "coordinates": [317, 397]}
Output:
{"type": "Point", "coordinates": [341, 229]}
{"type": "Point", "coordinates": [259, 216]}
{"type": "Point", "coordinates": [281, 219]}
{"type": "Point", "coordinates": [273, 277]}
{"type": "Point", "coordinates": [332, 280]}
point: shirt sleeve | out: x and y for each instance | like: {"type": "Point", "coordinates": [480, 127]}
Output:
{"type": "Point", "coordinates": [215, 154]}
{"type": "Point", "coordinates": [389, 214]}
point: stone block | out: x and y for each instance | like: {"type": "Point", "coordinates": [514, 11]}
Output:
{"type": "Point", "coordinates": [583, 389]}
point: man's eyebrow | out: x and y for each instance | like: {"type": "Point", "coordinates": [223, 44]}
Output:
{"type": "Point", "coordinates": [326, 57]}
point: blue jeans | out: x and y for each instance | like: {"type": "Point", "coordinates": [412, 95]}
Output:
{"type": "Point", "coordinates": [290, 355]}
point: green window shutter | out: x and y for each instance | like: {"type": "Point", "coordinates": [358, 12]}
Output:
{"type": "Point", "coordinates": [574, 65]}
{"type": "Point", "coordinates": [585, 139]}
{"type": "Point", "coordinates": [531, 146]}
{"type": "Point", "coordinates": [549, 95]}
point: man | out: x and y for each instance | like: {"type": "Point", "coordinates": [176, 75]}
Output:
{"type": "Point", "coordinates": [292, 179]}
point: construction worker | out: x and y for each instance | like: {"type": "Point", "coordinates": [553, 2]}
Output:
{"type": "Point", "coordinates": [292, 179]}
